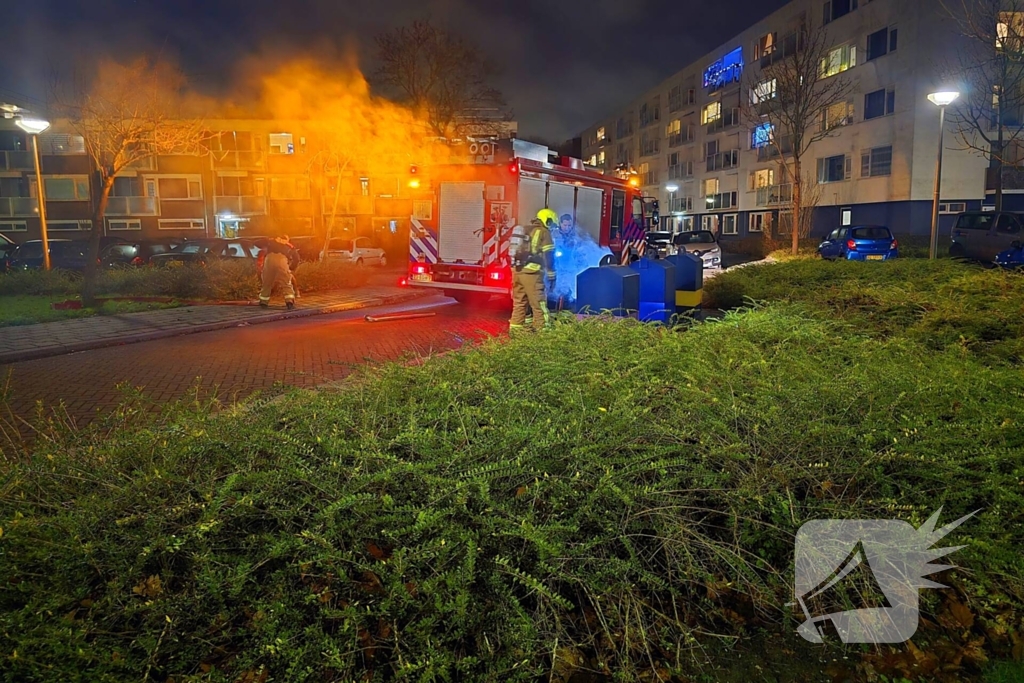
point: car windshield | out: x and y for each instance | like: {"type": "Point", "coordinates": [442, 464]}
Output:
{"type": "Point", "coordinates": [341, 245]}
{"type": "Point", "coordinates": [872, 232]}
{"type": "Point", "coordinates": [195, 248]}
{"type": "Point", "coordinates": [702, 237]}
{"type": "Point", "coordinates": [659, 236]}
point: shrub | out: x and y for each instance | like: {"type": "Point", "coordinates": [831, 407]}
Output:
{"type": "Point", "coordinates": [943, 304]}
{"type": "Point", "coordinates": [225, 280]}
{"type": "Point", "coordinates": [450, 521]}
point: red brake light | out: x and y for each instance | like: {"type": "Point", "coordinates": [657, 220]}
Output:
{"type": "Point", "coordinates": [851, 245]}
{"type": "Point", "coordinates": [137, 261]}
{"type": "Point", "coordinates": [403, 282]}
{"type": "Point", "coordinates": [496, 275]}
{"type": "Point", "coordinates": [513, 167]}
{"type": "Point", "coordinates": [894, 244]}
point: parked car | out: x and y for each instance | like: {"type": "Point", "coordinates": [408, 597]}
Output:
{"type": "Point", "coordinates": [702, 243]}
{"type": "Point", "coordinates": [64, 254]}
{"type": "Point", "coordinates": [982, 235]}
{"type": "Point", "coordinates": [358, 251]}
{"type": "Point", "coordinates": [860, 243]}
{"type": "Point", "coordinates": [207, 250]}
{"type": "Point", "coordinates": [1012, 257]}
{"type": "Point", "coordinates": [660, 243]}
{"type": "Point", "coordinates": [7, 246]}
{"type": "Point", "coordinates": [136, 253]}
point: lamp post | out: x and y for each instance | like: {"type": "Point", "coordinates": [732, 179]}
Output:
{"type": "Point", "coordinates": [942, 100]}
{"type": "Point", "coordinates": [34, 127]}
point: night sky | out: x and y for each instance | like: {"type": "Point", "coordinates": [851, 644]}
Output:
{"type": "Point", "coordinates": [566, 63]}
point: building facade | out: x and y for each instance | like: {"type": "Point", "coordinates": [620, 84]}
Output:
{"type": "Point", "coordinates": [697, 145]}
{"type": "Point", "coordinates": [254, 178]}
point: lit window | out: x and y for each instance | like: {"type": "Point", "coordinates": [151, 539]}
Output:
{"type": "Point", "coordinates": [281, 143]}
{"type": "Point", "coordinates": [600, 157]}
{"type": "Point", "coordinates": [763, 178]}
{"type": "Point", "coordinates": [836, 115]}
{"type": "Point", "coordinates": [710, 186]}
{"type": "Point", "coordinates": [712, 112]}
{"type": "Point", "coordinates": [763, 91]}
{"type": "Point", "coordinates": [762, 136]}
{"type": "Point", "coordinates": [839, 60]}
{"type": "Point", "coordinates": [601, 134]}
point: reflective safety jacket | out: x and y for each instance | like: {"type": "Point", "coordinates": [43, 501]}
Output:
{"type": "Point", "coordinates": [532, 249]}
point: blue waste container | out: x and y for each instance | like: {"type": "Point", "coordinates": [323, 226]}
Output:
{"type": "Point", "coordinates": [657, 289]}
{"type": "Point", "coordinates": [602, 289]}
{"type": "Point", "coordinates": [689, 281]}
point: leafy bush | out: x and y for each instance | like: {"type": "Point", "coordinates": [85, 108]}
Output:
{"type": "Point", "coordinates": [943, 304]}
{"type": "Point", "coordinates": [224, 280]}
{"type": "Point", "coordinates": [454, 521]}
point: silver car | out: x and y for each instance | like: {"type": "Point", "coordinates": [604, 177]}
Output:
{"type": "Point", "coordinates": [700, 243]}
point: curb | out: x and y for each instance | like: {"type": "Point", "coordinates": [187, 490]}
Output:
{"type": "Point", "coordinates": [91, 344]}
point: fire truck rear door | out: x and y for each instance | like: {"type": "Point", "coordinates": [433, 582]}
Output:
{"type": "Point", "coordinates": [532, 198]}
{"type": "Point", "coordinates": [461, 222]}
{"type": "Point", "coordinates": [589, 201]}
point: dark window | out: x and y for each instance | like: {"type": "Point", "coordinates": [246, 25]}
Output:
{"type": "Point", "coordinates": [618, 211]}
{"type": "Point", "coordinates": [1007, 224]}
{"type": "Point", "coordinates": [878, 44]}
{"type": "Point", "coordinates": [173, 188]}
{"type": "Point", "coordinates": [892, 40]}
{"type": "Point", "coordinates": [127, 186]}
{"type": "Point", "coordinates": [974, 221]}
{"type": "Point", "coordinates": [832, 169]}
{"type": "Point", "coordinates": [838, 8]}
{"type": "Point", "coordinates": [879, 103]}
{"type": "Point", "coordinates": [874, 232]}
{"type": "Point", "coordinates": [876, 162]}
{"type": "Point", "coordinates": [12, 141]}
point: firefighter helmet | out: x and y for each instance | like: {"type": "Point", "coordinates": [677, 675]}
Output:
{"type": "Point", "coordinates": [547, 217]}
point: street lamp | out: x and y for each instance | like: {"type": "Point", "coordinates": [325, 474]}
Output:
{"type": "Point", "coordinates": [34, 127]}
{"type": "Point", "coordinates": [942, 100]}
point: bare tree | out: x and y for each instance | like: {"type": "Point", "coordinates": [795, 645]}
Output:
{"type": "Point", "coordinates": [444, 77]}
{"type": "Point", "coordinates": [798, 98]}
{"type": "Point", "coordinates": [989, 68]}
{"type": "Point", "coordinates": [126, 114]}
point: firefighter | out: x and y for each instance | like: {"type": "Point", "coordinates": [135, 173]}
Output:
{"type": "Point", "coordinates": [277, 265]}
{"type": "Point", "coordinates": [532, 253]}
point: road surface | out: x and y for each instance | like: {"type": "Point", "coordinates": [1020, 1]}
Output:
{"type": "Point", "coordinates": [233, 363]}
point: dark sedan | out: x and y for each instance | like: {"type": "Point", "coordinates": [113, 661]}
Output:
{"type": "Point", "coordinates": [206, 251]}
{"type": "Point", "coordinates": [64, 254]}
{"type": "Point", "coordinates": [136, 253]}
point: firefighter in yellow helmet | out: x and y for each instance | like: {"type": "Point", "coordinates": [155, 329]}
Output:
{"type": "Point", "coordinates": [532, 252]}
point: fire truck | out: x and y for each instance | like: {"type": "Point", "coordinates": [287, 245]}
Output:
{"type": "Point", "coordinates": [465, 212]}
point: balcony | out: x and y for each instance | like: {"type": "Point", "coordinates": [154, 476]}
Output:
{"type": "Point", "coordinates": [771, 150]}
{"type": "Point", "coordinates": [226, 160]}
{"type": "Point", "coordinates": [132, 206]}
{"type": "Point", "coordinates": [775, 195]}
{"type": "Point", "coordinates": [1013, 178]}
{"type": "Point", "coordinates": [18, 206]}
{"type": "Point", "coordinates": [240, 206]}
{"type": "Point", "coordinates": [721, 201]}
{"type": "Point", "coordinates": [16, 161]}
{"type": "Point", "coordinates": [723, 160]}
{"type": "Point", "coordinates": [728, 119]}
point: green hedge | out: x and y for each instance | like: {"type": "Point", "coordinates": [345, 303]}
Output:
{"type": "Point", "coordinates": [603, 495]}
{"type": "Point", "coordinates": [943, 304]}
{"type": "Point", "coordinates": [220, 280]}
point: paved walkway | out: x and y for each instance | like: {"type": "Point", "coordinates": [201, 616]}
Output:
{"type": "Point", "coordinates": [27, 342]}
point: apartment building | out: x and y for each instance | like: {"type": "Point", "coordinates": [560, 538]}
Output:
{"type": "Point", "coordinates": [696, 146]}
{"type": "Point", "coordinates": [255, 178]}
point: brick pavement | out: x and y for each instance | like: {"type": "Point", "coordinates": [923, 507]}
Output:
{"type": "Point", "coordinates": [235, 362]}
{"type": "Point", "coordinates": [49, 339]}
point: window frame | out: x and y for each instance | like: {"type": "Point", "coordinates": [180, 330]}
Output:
{"type": "Point", "coordinates": [76, 182]}
{"type": "Point", "coordinates": [194, 223]}
{"type": "Point", "coordinates": [868, 162]}
{"type": "Point", "coordinates": [131, 224]}
{"type": "Point", "coordinates": [705, 118]}
{"type": "Point", "coordinates": [189, 179]}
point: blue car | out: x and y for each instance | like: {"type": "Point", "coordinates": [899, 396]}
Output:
{"type": "Point", "coordinates": [1012, 257]}
{"type": "Point", "coordinates": [860, 243]}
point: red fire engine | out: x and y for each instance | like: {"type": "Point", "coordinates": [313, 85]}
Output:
{"type": "Point", "coordinates": [463, 218]}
